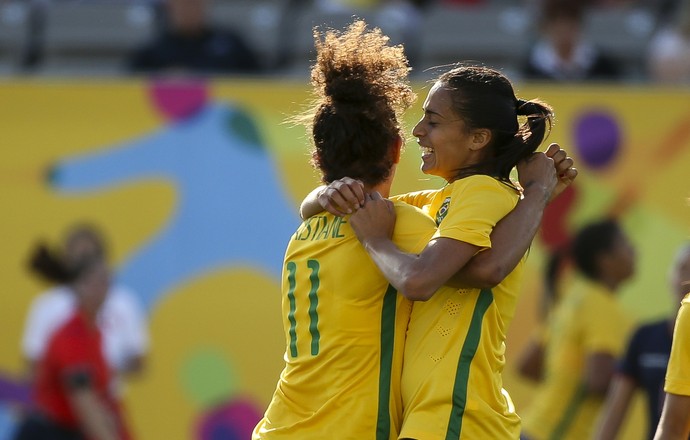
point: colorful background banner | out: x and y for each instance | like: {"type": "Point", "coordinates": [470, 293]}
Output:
{"type": "Point", "coordinates": [197, 185]}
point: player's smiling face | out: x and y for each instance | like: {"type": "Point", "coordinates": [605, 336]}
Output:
{"type": "Point", "coordinates": [442, 136]}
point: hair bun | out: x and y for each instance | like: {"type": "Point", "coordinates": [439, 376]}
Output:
{"type": "Point", "coordinates": [348, 89]}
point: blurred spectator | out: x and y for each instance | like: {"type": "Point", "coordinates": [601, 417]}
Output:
{"type": "Point", "coordinates": [400, 20]}
{"type": "Point", "coordinates": [72, 393]}
{"type": "Point", "coordinates": [661, 10]}
{"type": "Point", "coordinates": [121, 320]}
{"type": "Point", "coordinates": [346, 5]}
{"type": "Point", "coordinates": [645, 361]}
{"type": "Point", "coordinates": [669, 50]}
{"type": "Point", "coordinates": [584, 338]}
{"type": "Point", "coordinates": [562, 52]}
{"type": "Point", "coordinates": [464, 2]}
{"type": "Point", "coordinates": [189, 43]}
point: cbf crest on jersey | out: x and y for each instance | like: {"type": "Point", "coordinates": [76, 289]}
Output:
{"type": "Point", "coordinates": [442, 211]}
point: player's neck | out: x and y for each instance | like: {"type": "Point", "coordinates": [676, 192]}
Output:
{"type": "Point", "coordinates": [90, 314]}
{"type": "Point", "coordinates": [383, 188]}
{"type": "Point", "coordinates": [612, 283]}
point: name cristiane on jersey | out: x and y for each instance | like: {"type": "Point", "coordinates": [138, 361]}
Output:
{"type": "Point", "coordinates": [320, 227]}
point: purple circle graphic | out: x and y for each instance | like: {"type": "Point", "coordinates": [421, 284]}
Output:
{"type": "Point", "coordinates": [597, 138]}
{"type": "Point", "coordinates": [14, 391]}
{"type": "Point", "coordinates": [233, 420]}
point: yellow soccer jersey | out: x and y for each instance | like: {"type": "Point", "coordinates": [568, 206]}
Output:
{"type": "Point", "coordinates": [588, 320]}
{"type": "Point", "coordinates": [454, 353]}
{"type": "Point", "coordinates": [678, 372]}
{"type": "Point", "coordinates": [345, 329]}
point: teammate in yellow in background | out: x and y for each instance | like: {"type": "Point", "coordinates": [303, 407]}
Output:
{"type": "Point", "coordinates": [643, 366]}
{"type": "Point", "coordinates": [586, 335]}
{"type": "Point", "coordinates": [675, 417]}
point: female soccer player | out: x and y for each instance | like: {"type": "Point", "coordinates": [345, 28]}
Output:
{"type": "Point", "coordinates": [344, 324]}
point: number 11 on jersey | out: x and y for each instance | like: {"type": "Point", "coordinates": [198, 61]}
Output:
{"type": "Point", "coordinates": [313, 296]}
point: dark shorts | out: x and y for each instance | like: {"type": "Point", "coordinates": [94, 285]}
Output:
{"type": "Point", "coordinates": [37, 427]}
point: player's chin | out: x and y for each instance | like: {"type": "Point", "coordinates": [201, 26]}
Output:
{"type": "Point", "coordinates": [427, 166]}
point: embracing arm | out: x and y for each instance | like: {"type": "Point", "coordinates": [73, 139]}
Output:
{"type": "Point", "coordinates": [510, 240]}
{"type": "Point", "coordinates": [416, 276]}
{"type": "Point", "coordinates": [310, 205]}
{"type": "Point", "coordinates": [340, 198]}
{"type": "Point", "coordinates": [543, 176]}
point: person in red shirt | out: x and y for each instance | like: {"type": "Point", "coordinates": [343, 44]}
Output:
{"type": "Point", "coordinates": [72, 399]}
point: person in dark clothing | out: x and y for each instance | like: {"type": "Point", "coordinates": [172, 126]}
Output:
{"type": "Point", "coordinates": [188, 43]}
{"type": "Point", "coordinates": [562, 52]}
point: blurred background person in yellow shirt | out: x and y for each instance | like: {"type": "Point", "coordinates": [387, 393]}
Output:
{"type": "Point", "coordinates": [584, 338]}
{"type": "Point", "coordinates": [675, 417]}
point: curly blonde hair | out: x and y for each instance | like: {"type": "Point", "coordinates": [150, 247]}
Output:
{"type": "Point", "coordinates": [360, 89]}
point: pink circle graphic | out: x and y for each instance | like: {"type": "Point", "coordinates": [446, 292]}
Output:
{"type": "Point", "coordinates": [178, 99]}
{"type": "Point", "coordinates": [232, 420]}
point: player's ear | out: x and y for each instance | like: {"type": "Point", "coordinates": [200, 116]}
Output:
{"type": "Point", "coordinates": [480, 139]}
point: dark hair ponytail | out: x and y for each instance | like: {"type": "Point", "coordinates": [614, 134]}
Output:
{"type": "Point", "coordinates": [509, 150]}
{"type": "Point", "coordinates": [55, 268]}
{"type": "Point", "coordinates": [484, 98]}
{"type": "Point", "coordinates": [528, 137]}
{"type": "Point", "coordinates": [49, 266]}
{"type": "Point", "coordinates": [539, 115]}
